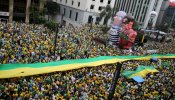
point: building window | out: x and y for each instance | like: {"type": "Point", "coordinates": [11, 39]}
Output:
{"type": "Point", "coordinates": [101, 1]}
{"type": "Point", "coordinates": [143, 10]}
{"type": "Point", "coordinates": [78, 4]}
{"type": "Point", "coordinates": [148, 2]}
{"type": "Point", "coordinates": [72, 2]}
{"type": "Point", "coordinates": [70, 14]}
{"type": "Point", "coordinates": [141, 18]}
{"type": "Point", "coordinates": [76, 16]}
{"type": "Point", "coordinates": [90, 19]}
{"type": "Point", "coordinates": [64, 11]}
{"type": "Point", "coordinates": [92, 7]}
{"type": "Point", "coordinates": [145, 1]}
{"type": "Point", "coordinates": [109, 1]}
{"type": "Point", "coordinates": [97, 20]}
{"type": "Point", "coordinates": [60, 0]}
{"type": "Point", "coordinates": [100, 8]}
{"type": "Point", "coordinates": [66, 1]}
{"type": "Point", "coordinates": [93, 0]}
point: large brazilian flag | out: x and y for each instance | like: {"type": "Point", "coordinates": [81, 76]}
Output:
{"type": "Point", "coordinates": [17, 70]}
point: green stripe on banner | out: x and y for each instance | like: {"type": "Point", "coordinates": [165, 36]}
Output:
{"type": "Point", "coordinates": [64, 62]}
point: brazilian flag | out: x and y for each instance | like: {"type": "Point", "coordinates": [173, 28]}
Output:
{"type": "Point", "coordinates": [124, 36]}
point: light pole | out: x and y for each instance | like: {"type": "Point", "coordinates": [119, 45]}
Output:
{"type": "Point", "coordinates": [91, 21]}
{"type": "Point", "coordinates": [56, 35]}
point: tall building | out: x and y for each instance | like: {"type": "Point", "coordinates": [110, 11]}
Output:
{"type": "Point", "coordinates": [140, 9]}
{"type": "Point", "coordinates": [78, 12]}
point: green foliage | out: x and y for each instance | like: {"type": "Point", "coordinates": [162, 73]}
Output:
{"type": "Point", "coordinates": [40, 20]}
{"type": "Point", "coordinates": [52, 8]}
{"type": "Point", "coordinates": [105, 29]}
{"type": "Point", "coordinates": [36, 16]}
{"type": "Point", "coordinates": [102, 14]}
{"type": "Point", "coordinates": [51, 25]}
{"type": "Point", "coordinates": [124, 36]}
{"type": "Point", "coordinates": [106, 13]}
{"type": "Point", "coordinates": [34, 13]}
{"type": "Point", "coordinates": [136, 26]}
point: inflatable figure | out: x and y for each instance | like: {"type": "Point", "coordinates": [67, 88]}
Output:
{"type": "Point", "coordinates": [127, 35]}
{"type": "Point", "coordinates": [116, 28]}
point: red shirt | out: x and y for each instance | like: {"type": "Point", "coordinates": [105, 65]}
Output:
{"type": "Point", "coordinates": [127, 30]}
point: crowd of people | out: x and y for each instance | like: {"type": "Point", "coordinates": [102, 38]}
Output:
{"type": "Point", "coordinates": [92, 84]}
{"type": "Point", "coordinates": [21, 43]}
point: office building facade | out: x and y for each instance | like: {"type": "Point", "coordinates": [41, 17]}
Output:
{"type": "Point", "coordinates": [80, 12]}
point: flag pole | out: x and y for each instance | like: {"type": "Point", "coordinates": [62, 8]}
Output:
{"type": "Point", "coordinates": [114, 81]}
{"type": "Point", "coordinates": [56, 35]}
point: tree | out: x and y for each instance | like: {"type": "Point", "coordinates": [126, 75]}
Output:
{"type": "Point", "coordinates": [106, 14]}
{"type": "Point", "coordinates": [37, 16]}
{"type": "Point", "coordinates": [34, 12]}
{"type": "Point", "coordinates": [136, 26]}
{"type": "Point", "coordinates": [51, 25]}
{"type": "Point", "coordinates": [105, 29]}
{"type": "Point", "coordinates": [52, 8]}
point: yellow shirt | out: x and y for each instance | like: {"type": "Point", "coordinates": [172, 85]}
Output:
{"type": "Point", "coordinates": [155, 92]}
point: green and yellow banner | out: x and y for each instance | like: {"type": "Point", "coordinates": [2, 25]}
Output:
{"type": "Point", "coordinates": [17, 70]}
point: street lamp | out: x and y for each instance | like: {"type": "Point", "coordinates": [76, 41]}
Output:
{"type": "Point", "coordinates": [91, 20]}
{"type": "Point", "coordinates": [56, 35]}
